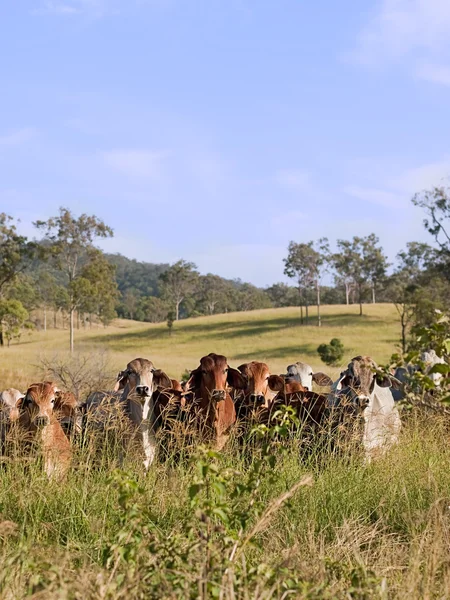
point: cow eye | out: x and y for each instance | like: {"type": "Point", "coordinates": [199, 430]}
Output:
{"type": "Point", "coordinates": [204, 371]}
{"type": "Point", "coordinates": [226, 370]}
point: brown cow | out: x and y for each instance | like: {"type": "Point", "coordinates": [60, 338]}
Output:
{"type": "Point", "coordinates": [310, 407]}
{"type": "Point", "coordinates": [256, 393]}
{"type": "Point", "coordinates": [209, 384]}
{"type": "Point", "coordinates": [40, 422]}
{"type": "Point", "coordinates": [67, 412]}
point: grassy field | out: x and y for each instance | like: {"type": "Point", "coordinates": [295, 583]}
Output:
{"type": "Point", "coordinates": [272, 335]}
{"type": "Point", "coordinates": [264, 521]}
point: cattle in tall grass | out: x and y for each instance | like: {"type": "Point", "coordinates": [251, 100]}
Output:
{"type": "Point", "coordinates": [209, 383]}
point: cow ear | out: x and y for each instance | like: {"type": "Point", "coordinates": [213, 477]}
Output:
{"type": "Point", "coordinates": [236, 379]}
{"type": "Point", "coordinates": [343, 382]}
{"type": "Point", "coordinates": [122, 379]}
{"type": "Point", "coordinates": [276, 383]}
{"type": "Point", "coordinates": [243, 369]}
{"type": "Point", "coordinates": [194, 380]}
{"type": "Point", "coordinates": [384, 380]}
{"type": "Point", "coordinates": [19, 401]}
{"type": "Point", "coordinates": [322, 379]}
{"type": "Point", "coordinates": [160, 379]}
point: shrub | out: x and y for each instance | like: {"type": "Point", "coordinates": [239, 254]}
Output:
{"type": "Point", "coordinates": [332, 353]}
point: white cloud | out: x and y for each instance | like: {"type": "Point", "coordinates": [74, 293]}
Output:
{"type": "Point", "coordinates": [377, 196]}
{"type": "Point", "coordinates": [425, 176]}
{"type": "Point", "coordinates": [18, 137]}
{"type": "Point", "coordinates": [414, 33]}
{"type": "Point", "coordinates": [93, 8]}
{"type": "Point", "coordinates": [401, 26]}
{"type": "Point", "coordinates": [295, 179]}
{"type": "Point", "coordinates": [434, 73]}
{"type": "Point", "coordinates": [136, 164]}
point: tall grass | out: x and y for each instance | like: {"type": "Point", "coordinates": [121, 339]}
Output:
{"type": "Point", "coordinates": [359, 531]}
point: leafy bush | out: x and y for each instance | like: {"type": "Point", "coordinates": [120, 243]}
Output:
{"type": "Point", "coordinates": [332, 353]}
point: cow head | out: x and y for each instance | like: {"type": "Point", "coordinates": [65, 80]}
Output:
{"type": "Point", "coordinates": [304, 374]}
{"type": "Point", "coordinates": [257, 375]}
{"type": "Point", "coordinates": [358, 380]}
{"type": "Point", "coordinates": [211, 378]}
{"type": "Point", "coordinates": [140, 379]}
{"type": "Point", "coordinates": [10, 401]}
{"type": "Point", "coordinates": [282, 386]}
{"type": "Point", "coordinates": [38, 404]}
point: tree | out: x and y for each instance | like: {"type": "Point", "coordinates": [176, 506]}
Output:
{"type": "Point", "coordinates": [100, 295]}
{"type": "Point", "coordinates": [13, 317]}
{"type": "Point", "coordinates": [305, 264]}
{"type": "Point", "coordinates": [412, 286]}
{"type": "Point", "coordinates": [332, 353]}
{"type": "Point", "coordinates": [15, 253]}
{"type": "Point", "coordinates": [282, 294]}
{"type": "Point", "coordinates": [210, 293]}
{"type": "Point", "coordinates": [436, 203]}
{"type": "Point", "coordinates": [151, 309]}
{"type": "Point", "coordinates": [177, 283]}
{"type": "Point", "coordinates": [70, 239]}
{"type": "Point", "coordinates": [362, 261]}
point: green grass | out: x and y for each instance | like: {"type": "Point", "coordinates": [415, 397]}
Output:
{"type": "Point", "coordinates": [272, 335]}
{"type": "Point", "coordinates": [361, 532]}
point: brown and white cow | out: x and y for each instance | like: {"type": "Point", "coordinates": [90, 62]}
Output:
{"type": "Point", "coordinates": [10, 400]}
{"type": "Point", "coordinates": [209, 383]}
{"type": "Point", "coordinates": [139, 381]}
{"type": "Point", "coordinates": [67, 412]}
{"type": "Point", "coordinates": [369, 390]}
{"type": "Point", "coordinates": [304, 374]}
{"type": "Point", "coordinates": [38, 419]}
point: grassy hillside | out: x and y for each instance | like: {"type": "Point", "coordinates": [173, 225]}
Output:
{"type": "Point", "coordinates": [272, 335]}
{"type": "Point", "coordinates": [290, 521]}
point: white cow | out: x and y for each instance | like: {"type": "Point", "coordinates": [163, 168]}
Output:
{"type": "Point", "coordinates": [304, 374]}
{"type": "Point", "coordinates": [371, 392]}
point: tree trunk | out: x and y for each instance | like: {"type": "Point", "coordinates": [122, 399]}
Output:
{"type": "Point", "coordinates": [360, 300]}
{"type": "Point", "coordinates": [55, 313]}
{"type": "Point", "coordinates": [347, 293]}
{"type": "Point", "coordinates": [306, 309]}
{"type": "Point", "coordinates": [373, 294]}
{"type": "Point", "coordinates": [403, 323]}
{"type": "Point", "coordinates": [78, 319]}
{"type": "Point", "coordinates": [177, 309]}
{"type": "Point", "coordinates": [319, 320]}
{"type": "Point", "coordinates": [71, 329]}
{"type": "Point", "coordinates": [45, 318]}
{"type": "Point", "coordinates": [301, 304]}
{"type": "Point", "coordinates": [2, 341]}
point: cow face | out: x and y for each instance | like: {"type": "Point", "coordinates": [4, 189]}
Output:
{"type": "Point", "coordinates": [359, 380]}
{"type": "Point", "coordinates": [211, 378]}
{"type": "Point", "coordinates": [137, 379]}
{"type": "Point", "coordinates": [257, 375]}
{"type": "Point", "coordinates": [10, 401]}
{"type": "Point", "coordinates": [38, 403]}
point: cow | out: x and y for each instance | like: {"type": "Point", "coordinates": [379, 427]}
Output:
{"type": "Point", "coordinates": [430, 360]}
{"type": "Point", "coordinates": [310, 408]}
{"type": "Point", "coordinates": [368, 391]}
{"type": "Point", "coordinates": [67, 412]}
{"type": "Point", "coordinates": [10, 400]}
{"type": "Point", "coordinates": [37, 418]}
{"type": "Point", "coordinates": [139, 380]}
{"type": "Point", "coordinates": [304, 374]}
{"type": "Point", "coordinates": [256, 392]}
{"type": "Point", "coordinates": [209, 383]}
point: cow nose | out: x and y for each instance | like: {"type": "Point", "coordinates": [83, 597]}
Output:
{"type": "Point", "coordinates": [257, 398]}
{"type": "Point", "coordinates": [218, 394]}
{"type": "Point", "coordinates": [142, 390]}
{"type": "Point", "coordinates": [42, 421]}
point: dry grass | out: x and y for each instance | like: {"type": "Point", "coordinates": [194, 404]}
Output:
{"type": "Point", "coordinates": [272, 335]}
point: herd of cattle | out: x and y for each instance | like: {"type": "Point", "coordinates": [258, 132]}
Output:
{"type": "Point", "coordinates": [216, 400]}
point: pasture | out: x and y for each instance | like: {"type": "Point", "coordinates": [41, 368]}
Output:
{"type": "Point", "coordinates": [274, 336]}
{"type": "Point", "coordinates": [270, 520]}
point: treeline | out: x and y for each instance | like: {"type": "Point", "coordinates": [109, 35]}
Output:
{"type": "Point", "coordinates": [66, 276]}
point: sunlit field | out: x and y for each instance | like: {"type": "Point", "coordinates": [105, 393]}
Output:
{"type": "Point", "coordinates": [272, 335]}
{"type": "Point", "coordinates": [262, 520]}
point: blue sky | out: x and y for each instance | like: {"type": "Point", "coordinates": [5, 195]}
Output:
{"type": "Point", "coordinates": [219, 130]}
